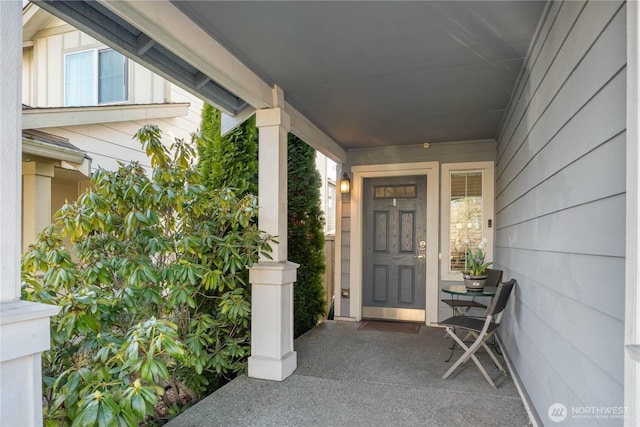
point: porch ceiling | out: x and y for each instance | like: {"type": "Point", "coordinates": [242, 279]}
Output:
{"type": "Point", "coordinates": [382, 73]}
{"type": "Point", "coordinates": [365, 73]}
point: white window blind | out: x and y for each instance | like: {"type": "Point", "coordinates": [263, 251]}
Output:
{"type": "Point", "coordinates": [112, 76]}
{"type": "Point", "coordinates": [79, 84]}
{"type": "Point", "coordinates": [95, 77]}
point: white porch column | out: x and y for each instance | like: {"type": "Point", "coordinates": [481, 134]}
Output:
{"type": "Point", "coordinates": [36, 199]}
{"type": "Point", "coordinates": [24, 327]}
{"type": "Point", "coordinates": [272, 355]}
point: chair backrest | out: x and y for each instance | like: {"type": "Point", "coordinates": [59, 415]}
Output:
{"type": "Point", "coordinates": [494, 277]}
{"type": "Point", "coordinates": [502, 297]}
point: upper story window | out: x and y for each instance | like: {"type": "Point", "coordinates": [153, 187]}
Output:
{"type": "Point", "coordinates": [95, 77]}
{"type": "Point", "coordinates": [467, 209]}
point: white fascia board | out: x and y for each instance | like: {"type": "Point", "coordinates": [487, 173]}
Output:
{"type": "Point", "coordinates": [37, 118]}
{"type": "Point", "coordinates": [167, 25]}
{"type": "Point", "coordinates": [84, 168]}
{"type": "Point", "coordinates": [302, 127]}
{"type": "Point", "coordinates": [51, 151]}
{"type": "Point", "coordinates": [229, 123]}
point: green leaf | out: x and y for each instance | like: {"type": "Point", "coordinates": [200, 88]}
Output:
{"type": "Point", "coordinates": [88, 415]}
{"type": "Point", "coordinates": [106, 417]}
{"type": "Point", "coordinates": [138, 406]}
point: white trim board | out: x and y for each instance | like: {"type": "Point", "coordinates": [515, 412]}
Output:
{"type": "Point", "coordinates": [632, 254]}
{"type": "Point", "coordinates": [38, 118]}
{"type": "Point", "coordinates": [431, 170]}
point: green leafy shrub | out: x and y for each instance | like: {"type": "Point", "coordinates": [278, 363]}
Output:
{"type": "Point", "coordinates": [154, 311]}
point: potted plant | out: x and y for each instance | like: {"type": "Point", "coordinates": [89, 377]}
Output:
{"type": "Point", "coordinates": [475, 271]}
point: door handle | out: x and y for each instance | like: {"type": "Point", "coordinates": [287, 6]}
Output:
{"type": "Point", "coordinates": [422, 246]}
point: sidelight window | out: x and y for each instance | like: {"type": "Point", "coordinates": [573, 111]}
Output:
{"type": "Point", "coordinates": [467, 215]}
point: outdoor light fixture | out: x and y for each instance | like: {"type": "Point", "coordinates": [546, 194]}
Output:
{"type": "Point", "coordinates": [345, 184]}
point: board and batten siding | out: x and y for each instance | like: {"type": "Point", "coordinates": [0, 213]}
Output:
{"type": "Point", "coordinates": [105, 143]}
{"type": "Point", "coordinates": [560, 212]}
{"type": "Point", "coordinates": [46, 64]}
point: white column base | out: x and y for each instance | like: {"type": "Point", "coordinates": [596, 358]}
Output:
{"type": "Point", "coordinates": [24, 328]}
{"type": "Point", "coordinates": [272, 355]}
{"type": "Point", "coordinates": [273, 369]}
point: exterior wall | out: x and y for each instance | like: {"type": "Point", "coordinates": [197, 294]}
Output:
{"type": "Point", "coordinates": [560, 211]}
{"type": "Point", "coordinates": [108, 143]}
{"type": "Point", "coordinates": [345, 255]}
{"type": "Point", "coordinates": [27, 73]}
{"type": "Point", "coordinates": [443, 152]}
{"type": "Point", "coordinates": [61, 191]}
{"type": "Point", "coordinates": [327, 170]}
{"type": "Point", "coordinates": [45, 88]}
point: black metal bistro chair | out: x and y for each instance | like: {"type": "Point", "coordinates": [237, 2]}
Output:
{"type": "Point", "coordinates": [481, 328]}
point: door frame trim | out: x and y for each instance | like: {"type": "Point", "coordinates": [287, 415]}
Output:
{"type": "Point", "coordinates": [432, 171]}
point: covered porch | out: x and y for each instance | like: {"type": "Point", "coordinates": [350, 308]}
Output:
{"type": "Point", "coordinates": [542, 97]}
{"type": "Point", "coordinates": [348, 375]}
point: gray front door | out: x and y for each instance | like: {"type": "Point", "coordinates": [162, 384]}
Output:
{"type": "Point", "coordinates": [394, 248]}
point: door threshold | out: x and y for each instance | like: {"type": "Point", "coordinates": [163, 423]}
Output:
{"type": "Point", "coordinates": [392, 313]}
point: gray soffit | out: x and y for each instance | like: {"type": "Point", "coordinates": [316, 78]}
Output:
{"type": "Point", "coordinates": [95, 20]}
{"type": "Point", "coordinates": [382, 73]}
{"type": "Point", "coordinates": [368, 74]}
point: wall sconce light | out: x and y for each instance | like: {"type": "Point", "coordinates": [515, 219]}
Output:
{"type": "Point", "coordinates": [345, 184]}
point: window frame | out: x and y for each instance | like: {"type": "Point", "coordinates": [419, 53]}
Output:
{"type": "Point", "coordinates": [96, 78]}
{"type": "Point", "coordinates": [487, 169]}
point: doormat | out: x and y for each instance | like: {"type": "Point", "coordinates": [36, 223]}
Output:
{"type": "Point", "coordinates": [401, 327]}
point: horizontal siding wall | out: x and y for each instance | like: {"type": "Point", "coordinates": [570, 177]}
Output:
{"type": "Point", "coordinates": [560, 211]}
{"type": "Point", "coordinates": [345, 260]}
{"type": "Point", "coordinates": [109, 143]}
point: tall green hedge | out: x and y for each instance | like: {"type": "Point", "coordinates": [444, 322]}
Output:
{"type": "Point", "coordinates": [229, 161]}
{"type": "Point", "coordinates": [306, 235]}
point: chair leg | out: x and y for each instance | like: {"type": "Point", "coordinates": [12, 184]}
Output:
{"type": "Point", "coordinates": [493, 357]}
{"type": "Point", "coordinates": [484, 372]}
{"type": "Point", "coordinates": [488, 350]}
{"type": "Point", "coordinates": [470, 354]}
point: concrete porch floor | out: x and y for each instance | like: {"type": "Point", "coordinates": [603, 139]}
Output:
{"type": "Point", "coordinates": [352, 377]}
